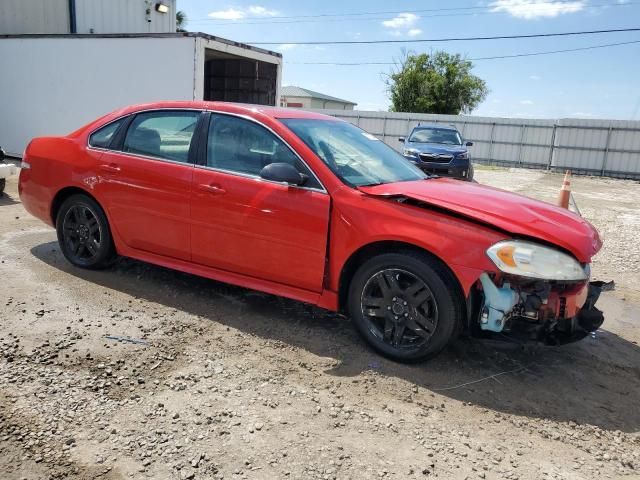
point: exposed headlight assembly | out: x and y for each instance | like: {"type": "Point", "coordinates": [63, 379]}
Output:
{"type": "Point", "coordinates": [410, 152]}
{"type": "Point", "coordinates": [463, 156]}
{"type": "Point", "coordinates": [527, 259]}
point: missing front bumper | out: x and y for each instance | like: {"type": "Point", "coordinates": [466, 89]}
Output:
{"type": "Point", "coordinates": [550, 326]}
{"type": "Point", "coordinates": [588, 320]}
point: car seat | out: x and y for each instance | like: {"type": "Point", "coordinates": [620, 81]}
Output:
{"type": "Point", "coordinates": [144, 141]}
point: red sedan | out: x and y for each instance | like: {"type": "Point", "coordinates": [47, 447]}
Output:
{"type": "Point", "coordinates": [305, 206]}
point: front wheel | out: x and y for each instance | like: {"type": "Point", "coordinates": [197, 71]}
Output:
{"type": "Point", "coordinates": [406, 305]}
{"type": "Point", "coordinates": [471, 173]}
{"type": "Point", "coordinates": [83, 233]}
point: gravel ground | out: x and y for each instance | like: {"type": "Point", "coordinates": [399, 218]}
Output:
{"type": "Point", "coordinates": [223, 382]}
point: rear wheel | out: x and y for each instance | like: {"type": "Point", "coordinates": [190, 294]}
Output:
{"type": "Point", "coordinates": [83, 233]}
{"type": "Point", "coordinates": [406, 305]}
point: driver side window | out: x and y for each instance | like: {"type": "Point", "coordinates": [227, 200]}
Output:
{"type": "Point", "coordinates": [242, 146]}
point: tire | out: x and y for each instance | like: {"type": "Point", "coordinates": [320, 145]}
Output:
{"type": "Point", "coordinates": [84, 234]}
{"type": "Point", "coordinates": [3, 184]}
{"type": "Point", "coordinates": [405, 321]}
{"type": "Point", "coordinates": [471, 174]}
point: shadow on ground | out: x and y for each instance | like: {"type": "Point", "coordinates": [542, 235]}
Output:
{"type": "Point", "coordinates": [595, 381]}
{"type": "Point", "coordinates": [5, 199]}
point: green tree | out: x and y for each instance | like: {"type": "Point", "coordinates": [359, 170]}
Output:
{"type": "Point", "coordinates": [436, 82]}
{"type": "Point", "coordinates": [181, 21]}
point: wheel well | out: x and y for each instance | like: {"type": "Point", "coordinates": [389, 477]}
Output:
{"type": "Point", "coordinates": [378, 248]}
{"type": "Point", "coordinates": [62, 195]}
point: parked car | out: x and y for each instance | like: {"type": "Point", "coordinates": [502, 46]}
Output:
{"type": "Point", "coordinates": [439, 150]}
{"type": "Point", "coordinates": [309, 207]}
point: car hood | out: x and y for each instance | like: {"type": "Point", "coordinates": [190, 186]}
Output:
{"type": "Point", "coordinates": [509, 212]}
{"type": "Point", "coordinates": [436, 148]}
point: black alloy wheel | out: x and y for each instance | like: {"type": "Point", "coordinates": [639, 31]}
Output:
{"type": "Point", "coordinates": [83, 233]}
{"type": "Point", "coordinates": [400, 308]}
{"type": "Point", "coordinates": [407, 305]}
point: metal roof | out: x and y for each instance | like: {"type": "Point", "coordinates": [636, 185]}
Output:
{"type": "Point", "coordinates": [292, 91]}
{"type": "Point", "coordinates": [230, 107]}
{"type": "Point", "coordinates": [145, 35]}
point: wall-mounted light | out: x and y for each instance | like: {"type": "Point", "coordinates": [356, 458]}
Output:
{"type": "Point", "coordinates": [162, 8]}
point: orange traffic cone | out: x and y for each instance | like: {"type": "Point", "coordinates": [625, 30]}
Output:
{"type": "Point", "coordinates": [565, 191]}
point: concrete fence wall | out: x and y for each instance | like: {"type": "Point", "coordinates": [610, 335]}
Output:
{"type": "Point", "coordinates": [597, 147]}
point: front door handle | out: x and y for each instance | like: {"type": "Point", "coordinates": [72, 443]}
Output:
{"type": "Point", "coordinates": [110, 168]}
{"type": "Point", "coordinates": [211, 188]}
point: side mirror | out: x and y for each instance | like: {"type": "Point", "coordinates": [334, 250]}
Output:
{"type": "Point", "coordinates": [401, 139]}
{"type": "Point", "coordinates": [469, 144]}
{"type": "Point", "coordinates": [284, 173]}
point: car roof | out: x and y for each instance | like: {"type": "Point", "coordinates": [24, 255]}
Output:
{"type": "Point", "coordinates": [238, 108]}
{"type": "Point", "coordinates": [426, 126]}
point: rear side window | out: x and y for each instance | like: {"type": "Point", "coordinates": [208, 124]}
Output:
{"type": "Point", "coordinates": [165, 135]}
{"type": "Point", "coordinates": [102, 138]}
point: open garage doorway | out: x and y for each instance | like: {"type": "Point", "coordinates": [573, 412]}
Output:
{"type": "Point", "coordinates": [230, 78]}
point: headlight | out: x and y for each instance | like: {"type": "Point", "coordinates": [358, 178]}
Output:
{"type": "Point", "coordinates": [463, 156]}
{"type": "Point", "coordinates": [410, 152]}
{"type": "Point", "coordinates": [527, 259]}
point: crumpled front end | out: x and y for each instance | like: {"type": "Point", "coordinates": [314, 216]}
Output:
{"type": "Point", "coordinates": [538, 288]}
{"type": "Point", "coordinates": [549, 312]}
{"type": "Point", "coordinates": [538, 293]}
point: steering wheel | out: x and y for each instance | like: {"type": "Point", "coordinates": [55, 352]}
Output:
{"type": "Point", "coordinates": [328, 154]}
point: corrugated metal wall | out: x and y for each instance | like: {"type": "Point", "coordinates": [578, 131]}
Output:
{"type": "Point", "coordinates": [124, 16]}
{"type": "Point", "coordinates": [34, 16]}
{"type": "Point", "coordinates": [92, 16]}
{"type": "Point", "coordinates": [601, 147]}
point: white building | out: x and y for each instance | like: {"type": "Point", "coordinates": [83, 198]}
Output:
{"type": "Point", "coordinates": [53, 81]}
{"type": "Point", "coordinates": [18, 17]}
{"type": "Point", "coordinates": [298, 97]}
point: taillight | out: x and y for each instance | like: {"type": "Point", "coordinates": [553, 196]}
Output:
{"type": "Point", "coordinates": [24, 164]}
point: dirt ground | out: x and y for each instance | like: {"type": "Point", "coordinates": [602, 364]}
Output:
{"type": "Point", "coordinates": [230, 383]}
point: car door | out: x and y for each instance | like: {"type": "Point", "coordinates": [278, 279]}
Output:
{"type": "Point", "coordinates": [247, 225]}
{"type": "Point", "coordinates": [145, 180]}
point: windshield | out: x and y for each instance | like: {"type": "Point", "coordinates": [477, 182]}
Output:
{"type": "Point", "coordinates": [436, 135]}
{"type": "Point", "coordinates": [355, 156]}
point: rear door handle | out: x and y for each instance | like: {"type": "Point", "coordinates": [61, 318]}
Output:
{"type": "Point", "coordinates": [110, 168]}
{"type": "Point", "coordinates": [211, 188]}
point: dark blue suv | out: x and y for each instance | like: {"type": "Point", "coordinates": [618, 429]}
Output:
{"type": "Point", "coordinates": [439, 150]}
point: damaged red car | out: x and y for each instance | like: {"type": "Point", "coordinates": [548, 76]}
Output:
{"type": "Point", "coordinates": [312, 208]}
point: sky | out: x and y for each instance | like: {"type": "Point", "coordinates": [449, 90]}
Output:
{"type": "Point", "coordinates": [597, 83]}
